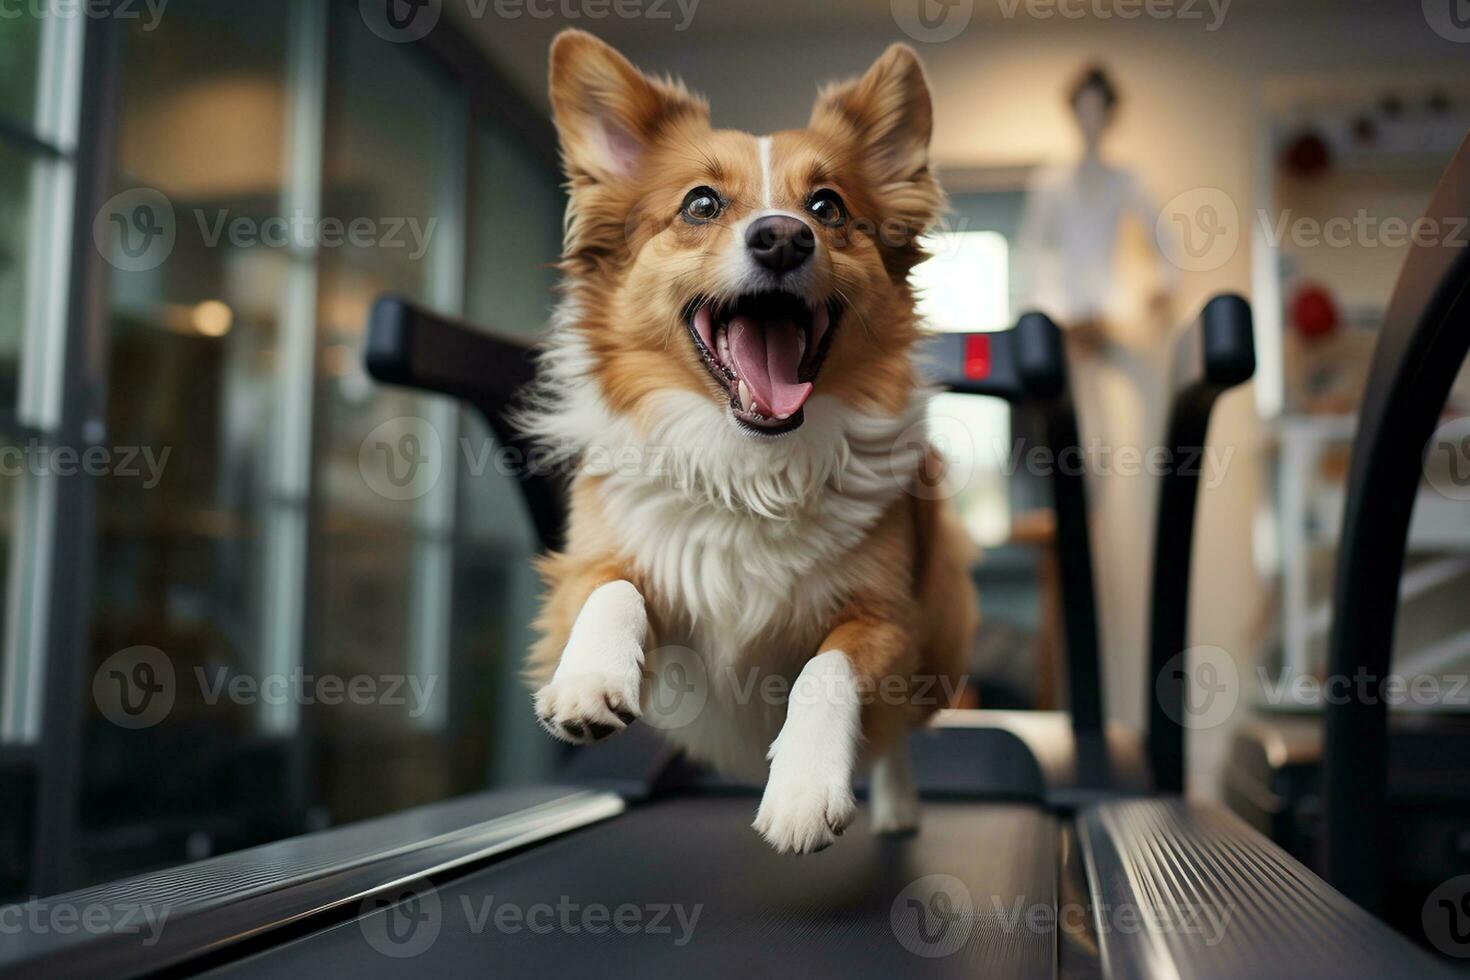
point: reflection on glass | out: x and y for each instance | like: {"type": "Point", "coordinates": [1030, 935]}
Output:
{"type": "Point", "coordinates": [381, 547]}
{"type": "Point", "coordinates": [15, 228]}
{"type": "Point", "coordinates": [9, 478]}
{"type": "Point", "coordinates": [193, 345]}
{"type": "Point", "coordinates": [515, 238]}
{"type": "Point", "coordinates": [20, 46]}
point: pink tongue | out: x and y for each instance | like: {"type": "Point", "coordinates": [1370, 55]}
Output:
{"type": "Point", "coordinates": [766, 357]}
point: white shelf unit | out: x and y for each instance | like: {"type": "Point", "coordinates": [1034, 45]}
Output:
{"type": "Point", "coordinates": [1311, 519]}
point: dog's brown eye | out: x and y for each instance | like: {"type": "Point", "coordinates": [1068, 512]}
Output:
{"type": "Point", "coordinates": [702, 204]}
{"type": "Point", "coordinates": [826, 206]}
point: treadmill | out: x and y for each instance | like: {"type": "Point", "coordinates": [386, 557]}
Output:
{"type": "Point", "coordinates": [1043, 851]}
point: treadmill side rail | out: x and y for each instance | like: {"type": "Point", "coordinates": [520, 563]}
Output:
{"type": "Point", "coordinates": [200, 909]}
{"type": "Point", "coordinates": [1185, 889]}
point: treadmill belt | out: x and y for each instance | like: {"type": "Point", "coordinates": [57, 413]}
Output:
{"type": "Point", "coordinates": [684, 887]}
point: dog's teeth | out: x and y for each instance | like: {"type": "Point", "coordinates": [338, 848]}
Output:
{"type": "Point", "coordinates": [800, 344]}
{"type": "Point", "coordinates": [747, 400]}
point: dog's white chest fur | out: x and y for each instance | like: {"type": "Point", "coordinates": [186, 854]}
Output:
{"type": "Point", "coordinates": [747, 545]}
{"type": "Point", "coordinates": [748, 548]}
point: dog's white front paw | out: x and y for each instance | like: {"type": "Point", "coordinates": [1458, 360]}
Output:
{"type": "Point", "coordinates": [808, 799]}
{"type": "Point", "coordinates": [586, 707]}
{"type": "Point", "coordinates": [804, 811]}
{"type": "Point", "coordinates": [594, 691]}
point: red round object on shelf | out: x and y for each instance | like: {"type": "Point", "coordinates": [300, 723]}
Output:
{"type": "Point", "coordinates": [1313, 312]}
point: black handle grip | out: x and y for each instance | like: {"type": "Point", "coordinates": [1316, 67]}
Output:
{"type": "Point", "coordinates": [1027, 366]}
{"type": "Point", "coordinates": [410, 346]}
{"type": "Point", "coordinates": [1420, 350]}
{"type": "Point", "coordinates": [1215, 354]}
{"type": "Point", "coordinates": [1024, 363]}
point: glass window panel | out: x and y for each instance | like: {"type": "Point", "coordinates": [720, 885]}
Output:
{"type": "Point", "coordinates": [15, 229]}
{"type": "Point", "coordinates": [515, 237]}
{"type": "Point", "coordinates": [11, 473]}
{"type": "Point", "coordinates": [382, 551]}
{"type": "Point", "coordinates": [514, 241]}
{"type": "Point", "coordinates": [20, 56]}
{"type": "Point", "coordinates": [192, 377]}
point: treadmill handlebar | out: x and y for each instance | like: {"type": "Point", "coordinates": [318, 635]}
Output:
{"type": "Point", "coordinates": [1027, 366]}
{"type": "Point", "coordinates": [1025, 363]}
{"type": "Point", "coordinates": [1216, 353]}
{"type": "Point", "coordinates": [1218, 349]}
{"type": "Point", "coordinates": [410, 346]}
{"type": "Point", "coordinates": [1421, 348]}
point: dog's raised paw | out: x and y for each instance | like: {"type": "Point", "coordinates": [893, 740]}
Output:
{"type": "Point", "coordinates": [583, 708]}
{"type": "Point", "coordinates": [802, 816]}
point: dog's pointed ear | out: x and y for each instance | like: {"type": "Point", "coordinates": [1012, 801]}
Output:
{"type": "Point", "coordinates": [608, 113]}
{"type": "Point", "coordinates": [887, 111]}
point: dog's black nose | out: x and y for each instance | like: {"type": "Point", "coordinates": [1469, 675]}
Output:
{"type": "Point", "coordinates": [780, 242]}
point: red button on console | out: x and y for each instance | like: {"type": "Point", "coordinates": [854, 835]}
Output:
{"type": "Point", "coordinates": [977, 356]}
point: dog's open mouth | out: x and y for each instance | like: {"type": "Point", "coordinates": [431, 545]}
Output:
{"type": "Point", "coordinates": [765, 349]}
